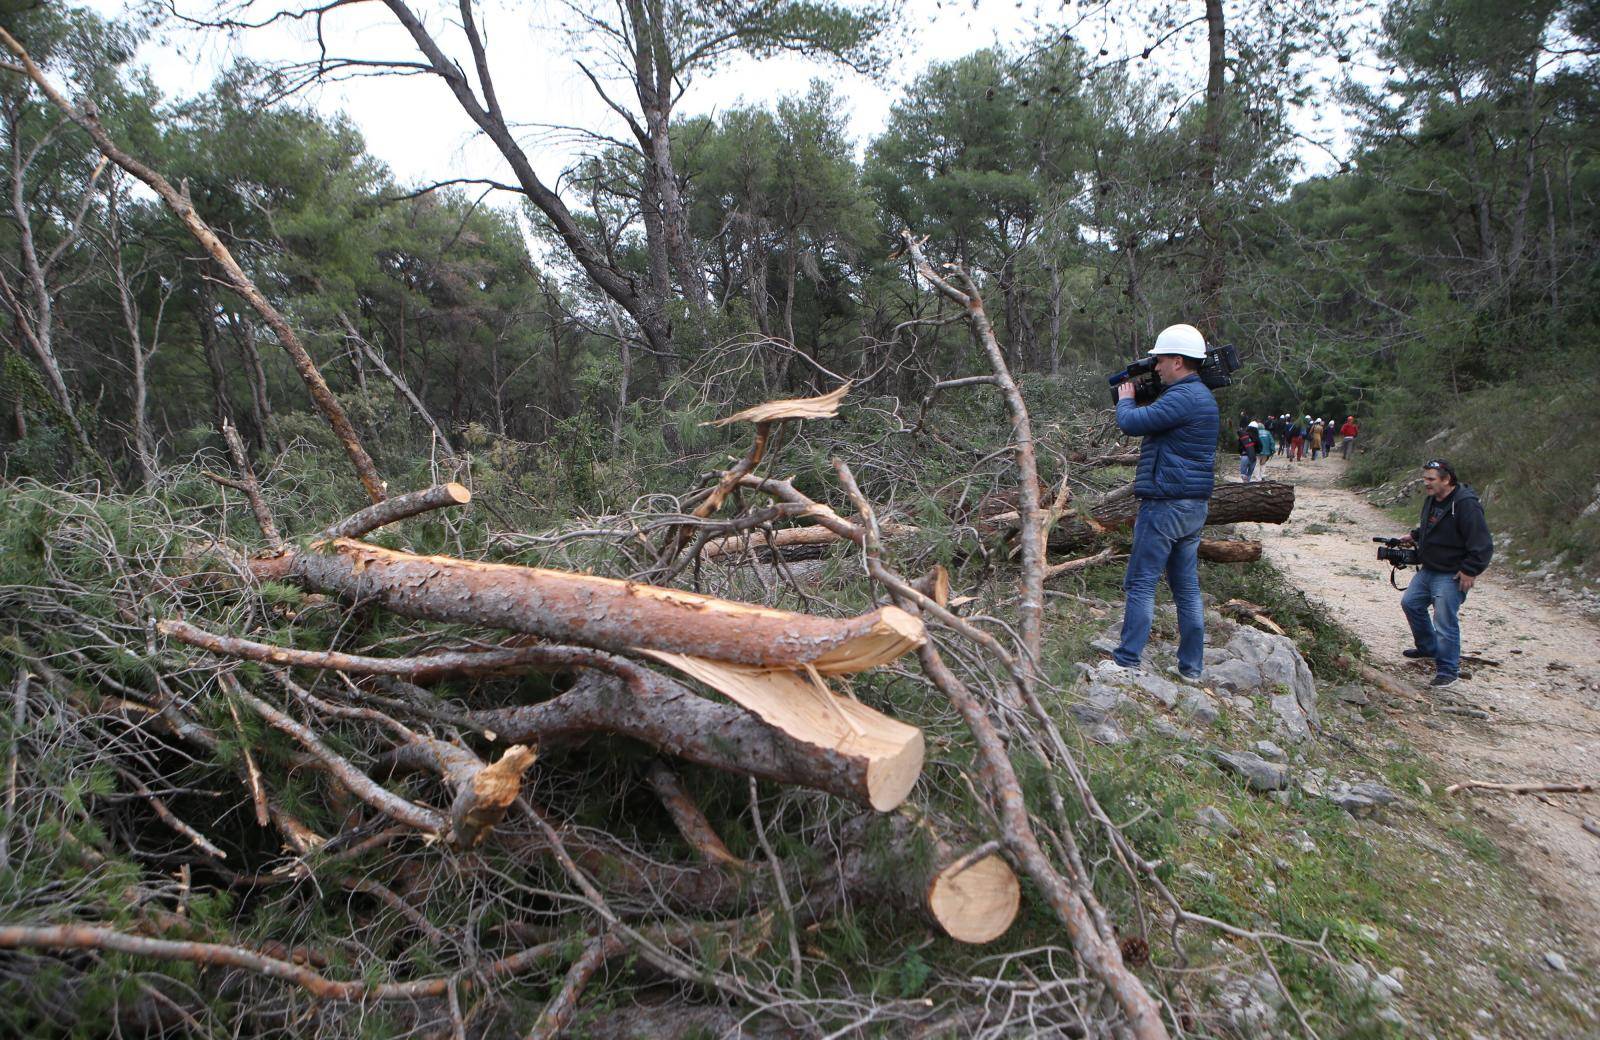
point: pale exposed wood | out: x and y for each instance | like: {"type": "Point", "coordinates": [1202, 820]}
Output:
{"type": "Point", "coordinates": [823, 407]}
{"type": "Point", "coordinates": [935, 585]}
{"type": "Point", "coordinates": [598, 612]}
{"type": "Point", "coordinates": [975, 902]}
{"type": "Point", "coordinates": [890, 751]}
{"type": "Point", "coordinates": [482, 802]}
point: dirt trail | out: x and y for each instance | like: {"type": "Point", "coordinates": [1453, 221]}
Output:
{"type": "Point", "coordinates": [1542, 695]}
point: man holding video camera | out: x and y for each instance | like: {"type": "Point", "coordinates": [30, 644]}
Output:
{"type": "Point", "coordinates": [1173, 484]}
{"type": "Point", "coordinates": [1453, 547]}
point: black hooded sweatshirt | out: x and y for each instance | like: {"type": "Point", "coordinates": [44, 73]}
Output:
{"type": "Point", "coordinates": [1453, 535]}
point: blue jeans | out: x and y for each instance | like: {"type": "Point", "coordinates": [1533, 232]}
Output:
{"type": "Point", "coordinates": [1440, 637]}
{"type": "Point", "coordinates": [1166, 537]}
{"type": "Point", "coordinates": [1247, 466]}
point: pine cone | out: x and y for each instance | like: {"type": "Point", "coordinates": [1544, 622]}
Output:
{"type": "Point", "coordinates": [1135, 952]}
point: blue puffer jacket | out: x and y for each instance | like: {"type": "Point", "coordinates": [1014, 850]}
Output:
{"type": "Point", "coordinates": [1179, 456]}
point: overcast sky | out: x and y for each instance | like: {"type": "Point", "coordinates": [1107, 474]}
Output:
{"type": "Point", "coordinates": [413, 124]}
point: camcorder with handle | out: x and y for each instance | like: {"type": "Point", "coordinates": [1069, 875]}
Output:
{"type": "Point", "coordinates": [1216, 372]}
{"type": "Point", "coordinates": [1398, 556]}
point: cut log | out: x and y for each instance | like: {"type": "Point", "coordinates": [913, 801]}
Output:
{"type": "Point", "coordinates": [1261, 503]}
{"type": "Point", "coordinates": [598, 612]}
{"type": "Point", "coordinates": [1229, 550]}
{"type": "Point", "coordinates": [665, 714]}
{"type": "Point", "coordinates": [890, 752]}
{"type": "Point", "coordinates": [784, 539]}
{"type": "Point", "coordinates": [972, 896]}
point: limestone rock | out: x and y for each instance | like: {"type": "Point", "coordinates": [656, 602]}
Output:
{"type": "Point", "coordinates": [1216, 821]}
{"type": "Point", "coordinates": [1270, 751]}
{"type": "Point", "coordinates": [1199, 706]}
{"type": "Point", "coordinates": [1247, 1014]}
{"type": "Point", "coordinates": [1258, 773]}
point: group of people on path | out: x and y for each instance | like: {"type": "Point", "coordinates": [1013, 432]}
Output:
{"type": "Point", "coordinates": [1261, 440]}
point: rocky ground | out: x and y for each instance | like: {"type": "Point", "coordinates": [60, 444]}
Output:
{"type": "Point", "coordinates": [1313, 800]}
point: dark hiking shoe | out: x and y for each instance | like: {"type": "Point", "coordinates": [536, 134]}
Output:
{"type": "Point", "coordinates": [1417, 655]}
{"type": "Point", "coordinates": [1444, 682]}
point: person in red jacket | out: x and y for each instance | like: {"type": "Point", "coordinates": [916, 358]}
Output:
{"type": "Point", "coordinates": [1348, 431]}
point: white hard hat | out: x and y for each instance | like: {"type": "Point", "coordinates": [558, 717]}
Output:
{"type": "Point", "coordinates": [1184, 340]}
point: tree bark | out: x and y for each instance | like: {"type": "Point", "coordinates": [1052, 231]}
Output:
{"type": "Point", "coordinates": [654, 709]}
{"type": "Point", "coordinates": [1218, 550]}
{"type": "Point", "coordinates": [605, 613]}
{"type": "Point", "coordinates": [1266, 502]}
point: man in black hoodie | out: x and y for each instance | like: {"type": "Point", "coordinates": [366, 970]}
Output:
{"type": "Point", "coordinates": [1454, 544]}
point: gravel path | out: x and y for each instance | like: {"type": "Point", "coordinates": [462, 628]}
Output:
{"type": "Point", "coordinates": [1537, 677]}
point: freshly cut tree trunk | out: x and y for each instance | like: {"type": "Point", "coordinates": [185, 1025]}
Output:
{"type": "Point", "coordinates": [1219, 550]}
{"type": "Point", "coordinates": [664, 714]}
{"type": "Point", "coordinates": [604, 613]}
{"type": "Point", "coordinates": [1266, 502]}
{"type": "Point", "coordinates": [972, 896]}
{"type": "Point", "coordinates": [890, 752]}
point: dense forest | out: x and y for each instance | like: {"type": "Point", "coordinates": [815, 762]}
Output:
{"type": "Point", "coordinates": [558, 350]}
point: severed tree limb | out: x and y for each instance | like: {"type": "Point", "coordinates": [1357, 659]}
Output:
{"type": "Point", "coordinates": [690, 820]}
{"type": "Point", "coordinates": [251, 488]}
{"type": "Point", "coordinates": [1536, 788]}
{"type": "Point", "coordinates": [605, 613]}
{"type": "Point", "coordinates": [1266, 502]}
{"type": "Point", "coordinates": [423, 668]}
{"type": "Point", "coordinates": [557, 1014]}
{"type": "Point", "coordinates": [653, 708]}
{"type": "Point", "coordinates": [86, 117]}
{"type": "Point", "coordinates": [484, 792]}
{"type": "Point", "coordinates": [391, 510]}
{"type": "Point", "coordinates": [1229, 550]}
{"type": "Point", "coordinates": [1055, 570]}
{"type": "Point", "coordinates": [359, 784]}
{"type": "Point", "coordinates": [1030, 604]}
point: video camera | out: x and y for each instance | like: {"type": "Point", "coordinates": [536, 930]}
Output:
{"type": "Point", "coordinates": [1399, 555]}
{"type": "Point", "coordinates": [1216, 372]}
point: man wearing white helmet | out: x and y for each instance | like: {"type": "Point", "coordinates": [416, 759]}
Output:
{"type": "Point", "coordinates": [1177, 463]}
